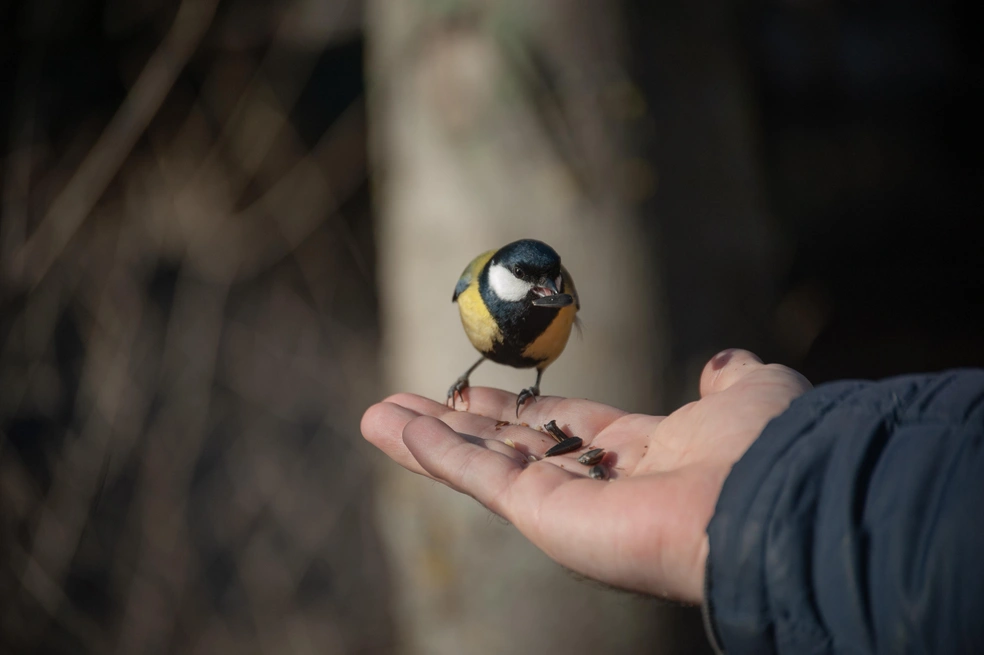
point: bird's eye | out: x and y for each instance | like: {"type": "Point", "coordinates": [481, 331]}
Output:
{"type": "Point", "coordinates": [518, 271]}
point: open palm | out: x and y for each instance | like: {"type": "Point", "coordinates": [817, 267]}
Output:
{"type": "Point", "coordinates": [645, 528]}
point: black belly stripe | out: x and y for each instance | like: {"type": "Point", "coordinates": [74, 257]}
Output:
{"type": "Point", "coordinates": [519, 322]}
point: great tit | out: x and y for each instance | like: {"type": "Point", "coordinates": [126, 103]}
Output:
{"type": "Point", "coordinates": [517, 305]}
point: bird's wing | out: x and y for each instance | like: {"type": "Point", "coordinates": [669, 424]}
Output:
{"type": "Point", "coordinates": [471, 273]}
{"type": "Point", "coordinates": [569, 287]}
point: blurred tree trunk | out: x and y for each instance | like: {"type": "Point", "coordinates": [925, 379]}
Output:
{"type": "Point", "coordinates": [492, 122]}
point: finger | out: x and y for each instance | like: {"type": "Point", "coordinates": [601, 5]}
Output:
{"type": "Point", "coordinates": [528, 440]}
{"type": "Point", "coordinates": [577, 417]}
{"type": "Point", "coordinates": [472, 466]}
{"type": "Point", "coordinates": [422, 405]}
{"type": "Point", "coordinates": [726, 368]}
{"type": "Point", "coordinates": [382, 426]}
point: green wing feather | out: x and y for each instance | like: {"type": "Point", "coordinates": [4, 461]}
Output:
{"type": "Point", "coordinates": [470, 273]}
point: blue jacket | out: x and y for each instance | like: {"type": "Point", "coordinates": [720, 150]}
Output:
{"type": "Point", "coordinates": [855, 524]}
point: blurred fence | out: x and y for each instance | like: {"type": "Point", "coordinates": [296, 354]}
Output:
{"type": "Point", "coordinates": [188, 332]}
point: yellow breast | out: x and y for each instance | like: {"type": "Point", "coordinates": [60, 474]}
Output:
{"type": "Point", "coordinates": [479, 325]}
{"type": "Point", "coordinates": [551, 343]}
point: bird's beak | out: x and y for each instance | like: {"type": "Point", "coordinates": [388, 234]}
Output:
{"type": "Point", "coordinates": [547, 295]}
{"type": "Point", "coordinates": [545, 287]}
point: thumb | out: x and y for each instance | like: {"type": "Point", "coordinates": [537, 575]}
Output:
{"type": "Point", "coordinates": [726, 368]}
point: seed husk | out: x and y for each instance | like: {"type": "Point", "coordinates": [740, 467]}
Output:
{"type": "Point", "coordinates": [565, 446]}
{"type": "Point", "coordinates": [554, 431]}
{"type": "Point", "coordinates": [592, 457]}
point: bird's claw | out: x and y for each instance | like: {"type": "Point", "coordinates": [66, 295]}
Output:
{"type": "Point", "coordinates": [524, 395]}
{"type": "Point", "coordinates": [456, 389]}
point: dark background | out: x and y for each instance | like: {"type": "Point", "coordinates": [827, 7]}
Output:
{"type": "Point", "coordinates": [867, 148]}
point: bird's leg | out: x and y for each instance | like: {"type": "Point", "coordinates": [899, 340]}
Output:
{"type": "Point", "coordinates": [530, 392]}
{"type": "Point", "coordinates": [462, 382]}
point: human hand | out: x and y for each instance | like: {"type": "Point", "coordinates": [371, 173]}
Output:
{"type": "Point", "coordinates": [644, 529]}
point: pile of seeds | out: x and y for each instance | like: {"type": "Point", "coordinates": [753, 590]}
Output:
{"type": "Point", "coordinates": [567, 444]}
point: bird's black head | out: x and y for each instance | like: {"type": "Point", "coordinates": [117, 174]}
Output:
{"type": "Point", "coordinates": [525, 272]}
{"type": "Point", "coordinates": [529, 260]}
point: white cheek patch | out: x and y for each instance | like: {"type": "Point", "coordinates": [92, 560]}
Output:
{"type": "Point", "coordinates": [560, 283]}
{"type": "Point", "coordinates": [506, 285]}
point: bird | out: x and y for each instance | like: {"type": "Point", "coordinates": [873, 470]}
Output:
{"type": "Point", "coordinates": [517, 305]}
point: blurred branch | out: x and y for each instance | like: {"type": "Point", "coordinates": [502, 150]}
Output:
{"type": "Point", "coordinates": [181, 384]}
{"type": "Point", "coordinates": [49, 594]}
{"type": "Point", "coordinates": [174, 445]}
{"type": "Point", "coordinates": [107, 394]}
{"type": "Point", "coordinates": [70, 209]}
{"type": "Point", "coordinates": [260, 114]}
{"type": "Point", "coordinates": [17, 177]}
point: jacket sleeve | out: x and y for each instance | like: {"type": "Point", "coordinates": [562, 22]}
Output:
{"type": "Point", "coordinates": [855, 524]}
